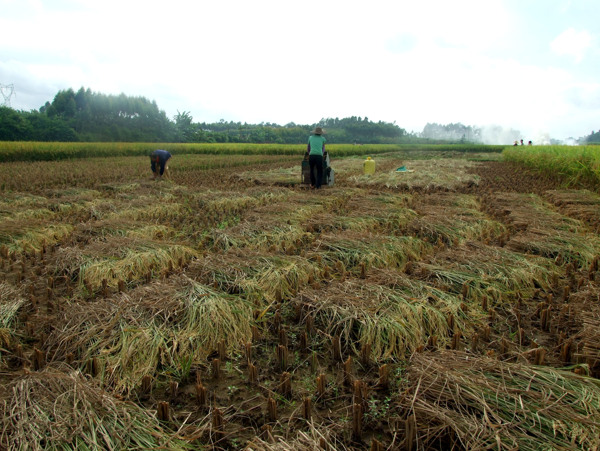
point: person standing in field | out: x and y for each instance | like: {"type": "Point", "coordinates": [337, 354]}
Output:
{"type": "Point", "coordinates": [315, 149]}
{"type": "Point", "coordinates": [158, 162]}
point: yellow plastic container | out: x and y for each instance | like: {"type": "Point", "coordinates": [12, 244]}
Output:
{"type": "Point", "coordinates": [369, 166]}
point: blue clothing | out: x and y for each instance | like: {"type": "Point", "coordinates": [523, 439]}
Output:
{"type": "Point", "coordinates": [160, 157]}
{"type": "Point", "coordinates": [316, 145]}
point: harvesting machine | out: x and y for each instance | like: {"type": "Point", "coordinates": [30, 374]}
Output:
{"type": "Point", "coordinates": [328, 175]}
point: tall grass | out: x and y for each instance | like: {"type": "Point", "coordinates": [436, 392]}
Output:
{"type": "Point", "coordinates": [576, 164]}
{"type": "Point", "coordinates": [46, 151]}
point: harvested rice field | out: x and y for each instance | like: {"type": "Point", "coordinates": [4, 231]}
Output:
{"type": "Point", "coordinates": [451, 306]}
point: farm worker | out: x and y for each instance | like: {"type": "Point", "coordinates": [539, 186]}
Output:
{"type": "Point", "coordinates": [315, 149]}
{"type": "Point", "coordinates": [159, 157]}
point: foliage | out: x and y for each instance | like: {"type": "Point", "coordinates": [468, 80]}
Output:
{"type": "Point", "coordinates": [100, 117]}
{"type": "Point", "coordinates": [13, 126]}
{"type": "Point", "coordinates": [593, 138]}
{"type": "Point", "coordinates": [44, 128]}
{"type": "Point", "coordinates": [89, 116]}
{"type": "Point", "coordinates": [575, 164]}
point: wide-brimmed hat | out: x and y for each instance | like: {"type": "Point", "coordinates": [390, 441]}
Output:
{"type": "Point", "coordinates": [318, 131]}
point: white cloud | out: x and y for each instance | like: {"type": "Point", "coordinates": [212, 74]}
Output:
{"type": "Point", "coordinates": [572, 43]}
{"type": "Point", "coordinates": [275, 61]}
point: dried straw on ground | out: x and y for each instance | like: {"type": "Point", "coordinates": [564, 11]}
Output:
{"type": "Point", "coordinates": [393, 320]}
{"type": "Point", "coordinates": [453, 219]}
{"type": "Point", "coordinates": [316, 438]}
{"type": "Point", "coordinates": [255, 276]}
{"type": "Point", "coordinates": [25, 238]}
{"type": "Point", "coordinates": [11, 301]}
{"type": "Point", "coordinates": [135, 264]}
{"type": "Point", "coordinates": [57, 409]}
{"type": "Point", "coordinates": [471, 402]}
{"type": "Point", "coordinates": [442, 174]}
{"type": "Point", "coordinates": [543, 231]}
{"type": "Point", "coordinates": [367, 212]}
{"type": "Point", "coordinates": [260, 236]}
{"type": "Point", "coordinates": [167, 326]}
{"type": "Point", "coordinates": [118, 258]}
{"type": "Point", "coordinates": [490, 271]}
{"type": "Point", "coordinates": [580, 204]}
{"type": "Point", "coordinates": [355, 249]}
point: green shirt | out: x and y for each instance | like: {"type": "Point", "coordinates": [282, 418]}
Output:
{"type": "Point", "coordinates": [316, 144]}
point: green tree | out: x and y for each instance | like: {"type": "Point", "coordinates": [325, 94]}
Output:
{"type": "Point", "coordinates": [593, 137]}
{"type": "Point", "coordinates": [44, 128]}
{"type": "Point", "coordinates": [64, 104]}
{"type": "Point", "coordinates": [13, 127]}
{"type": "Point", "coordinates": [184, 128]}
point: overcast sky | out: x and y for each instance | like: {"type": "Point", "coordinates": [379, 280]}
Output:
{"type": "Point", "coordinates": [531, 65]}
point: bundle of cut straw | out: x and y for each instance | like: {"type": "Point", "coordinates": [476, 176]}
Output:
{"type": "Point", "coordinates": [393, 320]}
{"type": "Point", "coordinates": [482, 403]}
{"type": "Point", "coordinates": [59, 410]}
{"type": "Point", "coordinates": [11, 301]}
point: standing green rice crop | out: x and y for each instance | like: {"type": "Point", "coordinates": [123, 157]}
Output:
{"type": "Point", "coordinates": [575, 164]}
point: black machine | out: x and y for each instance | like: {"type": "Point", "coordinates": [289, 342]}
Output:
{"type": "Point", "coordinates": [327, 171]}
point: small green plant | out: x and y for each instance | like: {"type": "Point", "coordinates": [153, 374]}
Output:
{"type": "Point", "coordinates": [232, 390]}
{"type": "Point", "coordinates": [379, 409]}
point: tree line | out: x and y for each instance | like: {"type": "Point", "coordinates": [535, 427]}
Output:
{"type": "Point", "coordinates": [95, 117]}
{"type": "Point", "coordinates": [593, 138]}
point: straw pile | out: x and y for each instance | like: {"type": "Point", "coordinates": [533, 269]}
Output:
{"type": "Point", "coordinates": [371, 211]}
{"type": "Point", "coordinates": [59, 410]}
{"type": "Point", "coordinates": [393, 320]}
{"type": "Point", "coordinates": [480, 403]}
{"type": "Point", "coordinates": [157, 328]}
{"type": "Point", "coordinates": [11, 301]}
{"type": "Point", "coordinates": [135, 264]}
{"type": "Point", "coordinates": [590, 336]}
{"type": "Point", "coordinates": [25, 238]}
{"type": "Point", "coordinates": [255, 276]}
{"type": "Point", "coordinates": [114, 259]}
{"type": "Point", "coordinates": [489, 271]}
{"type": "Point", "coordinates": [355, 249]}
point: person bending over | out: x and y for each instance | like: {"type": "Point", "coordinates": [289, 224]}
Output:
{"type": "Point", "coordinates": [158, 162]}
